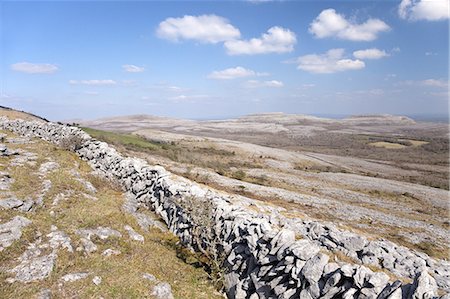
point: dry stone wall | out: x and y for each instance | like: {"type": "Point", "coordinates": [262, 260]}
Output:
{"type": "Point", "coordinates": [260, 258]}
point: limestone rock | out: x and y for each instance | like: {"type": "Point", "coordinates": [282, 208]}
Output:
{"type": "Point", "coordinates": [97, 280]}
{"type": "Point", "coordinates": [313, 269]}
{"type": "Point", "coordinates": [109, 252]}
{"type": "Point", "coordinates": [162, 291]}
{"type": "Point", "coordinates": [12, 230]}
{"type": "Point", "coordinates": [423, 287]}
{"type": "Point", "coordinates": [71, 277]}
{"type": "Point", "coordinates": [133, 234]}
{"type": "Point", "coordinates": [33, 269]}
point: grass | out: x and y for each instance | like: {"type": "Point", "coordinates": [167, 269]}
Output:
{"type": "Point", "coordinates": [122, 274]}
{"type": "Point", "coordinates": [388, 145]}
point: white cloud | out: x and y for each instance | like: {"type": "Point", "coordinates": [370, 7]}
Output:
{"type": "Point", "coordinates": [331, 62]}
{"type": "Point", "coordinates": [34, 68]}
{"type": "Point", "coordinates": [130, 68]}
{"type": "Point", "coordinates": [270, 83]}
{"type": "Point", "coordinates": [91, 93]}
{"type": "Point", "coordinates": [430, 10]}
{"type": "Point", "coordinates": [233, 73]}
{"type": "Point", "coordinates": [188, 98]}
{"type": "Point", "coordinates": [93, 82]}
{"type": "Point", "coordinates": [331, 24]}
{"type": "Point", "coordinates": [204, 28]}
{"type": "Point", "coordinates": [372, 53]}
{"type": "Point", "coordinates": [430, 54]}
{"type": "Point", "coordinates": [436, 83]}
{"type": "Point", "coordinates": [276, 40]}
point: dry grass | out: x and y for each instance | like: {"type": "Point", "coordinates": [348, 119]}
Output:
{"type": "Point", "coordinates": [14, 114]}
{"type": "Point", "coordinates": [388, 145]}
{"type": "Point", "coordinates": [122, 274]}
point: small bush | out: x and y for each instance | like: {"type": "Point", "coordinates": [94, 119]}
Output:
{"type": "Point", "coordinates": [238, 175]}
{"type": "Point", "coordinates": [72, 142]}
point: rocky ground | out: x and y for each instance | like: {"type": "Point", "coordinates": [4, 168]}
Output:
{"type": "Point", "coordinates": [279, 244]}
{"type": "Point", "coordinates": [65, 232]}
{"type": "Point", "coordinates": [381, 194]}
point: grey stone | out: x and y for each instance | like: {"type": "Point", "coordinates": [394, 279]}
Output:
{"type": "Point", "coordinates": [10, 203]}
{"type": "Point", "coordinates": [48, 167]}
{"type": "Point", "coordinates": [360, 276]}
{"type": "Point", "coordinates": [44, 294]}
{"type": "Point", "coordinates": [12, 231]}
{"type": "Point", "coordinates": [349, 294]}
{"type": "Point", "coordinates": [71, 277]}
{"type": "Point", "coordinates": [87, 245]}
{"type": "Point", "coordinates": [354, 243]}
{"type": "Point", "coordinates": [390, 288]}
{"type": "Point", "coordinates": [34, 269]}
{"type": "Point", "coordinates": [97, 280]}
{"type": "Point", "coordinates": [423, 287]}
{"type": "Point", "coordinates": [149, 277]}
{"type": "Point", "coordinates": [59, 239]}
{"type": "Point", "coordinates": [133, 234]}
{"type": "Point", "coordinates": [304, 249]}
{"type": "Point", "coordinates": [378, 279]}
{"type": "Point", "coordinates": [332, 281]}
{"type": "Point", "coordinates": [109, 252]}
{"type": "Point", "coordinates": [397, 294]}
{"type": "Point", "coordinates": [313, 269]}
{"type": "Point", "coordinates": [162, 291]}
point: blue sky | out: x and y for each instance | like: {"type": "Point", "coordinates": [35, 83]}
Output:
{"type": "Point", "coordinates": [85, 59]}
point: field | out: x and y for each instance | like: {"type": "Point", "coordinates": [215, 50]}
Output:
{"type": "Point", "coordinates": [310, 168]}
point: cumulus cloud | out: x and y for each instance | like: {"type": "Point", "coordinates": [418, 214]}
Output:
{"type": "Point", "coordinates": [331, 62]}
{"type": "Point", "coordinates": [331, 24]}
{"type": "Point", "coordinates": [372, 53]}
{"type": "Point", "coordinates": [130, 68]}
{"type": "Point", "coordinates": [276, 40]}
{"type": "Point", "coordinates": [233, 73]}
{"type": "Point", "coordinates": [270, 83]}
{"type": "Point", "coordinates": [436, 83]}
{"type": "Point", "coordinates": [204, 28]}
{"type": "Point", "coordinates": [93, 82]}
{"type": "Point", "coordinates": [429, 10]}
{"type": "Point", "coordinates": [34, 68]}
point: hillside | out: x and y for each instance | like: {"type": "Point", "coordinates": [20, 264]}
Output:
{"type": "Point", "coordinates": [76, 221]}
{"type": "Point", "coordinates": [67, 232]}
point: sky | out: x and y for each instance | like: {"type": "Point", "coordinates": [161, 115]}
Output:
{"type": "Point", "coordinates": [210, 60]}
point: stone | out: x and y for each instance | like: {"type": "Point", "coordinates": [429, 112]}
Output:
{"type": "Point", "coordinates": [59, 239]}
{"type": "Point", "coordinates": [379, 280]}
{"type": "Point", "coordinates": [48, 167]}
{"type": "Point", "coordinates": [348, 270]}
{"type": "Point", "coordinates": [133, 234]}
{"type": "Point", "coordinates": [10, 203]}
{"type": "Point", "coordinates": [423, 287]}
{"type": "Point", "coordinates": [162, 291]}
{"type": "Point", "coordinates": [87, 245]}
{"type": "Point", "coordinates": [44, 294]}
{"type": "Point", "coordinates": [109, 252]}
{"type": "Point", "coordinates": [390, 288]}
{"type": "Point", "coordinates": [332, 281]}
{"type": "Point", "coordinates": [97, 280]}
{"type": "Point", "coordinates": [360, 276]}
{"type": "Point", "coordinates": [304, 249]}
{"type": "Point", "coordinates": [354, 243]}
{"type": "Point", "coordinates": [313, 269]}
{"type": "Point", "coordinates": [71, 277]}
{"type": "Point", "coordinates": [34, 269]}
{"type": "Point", "coordinates": [101, 232]}
{"type": "Point", "coordinates": [12, 231]}
{"type": "Point", "coordinates": [149, 277]}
